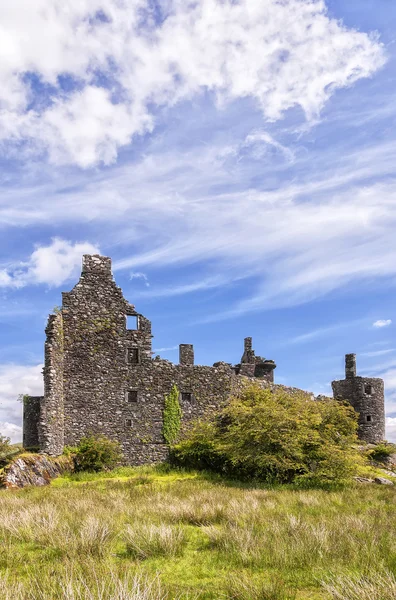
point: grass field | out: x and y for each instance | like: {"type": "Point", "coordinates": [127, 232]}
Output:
{"type": "Point", "coordinates": [151, 534]}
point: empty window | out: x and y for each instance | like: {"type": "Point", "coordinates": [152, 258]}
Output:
{"type": "Point", "coordinates": [132, 396]}
{"type": "Point", "coordinates": [186, 396]}
{"type": "Point", "coordinates": [368, 418]}
{"type": "Point", "coordinates": [368, 389]}
{"type": "Point", "coordinates": [132, 322]}
{"type": "Point", "coordinates": [133, 356]}
{"type": "Point", "coordinates": [128, 422]}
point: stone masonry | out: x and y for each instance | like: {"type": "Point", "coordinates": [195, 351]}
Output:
{"type": "Point", "coordinates": [366, 394]}
{"type": "Point", "coordinates": [100, 376]}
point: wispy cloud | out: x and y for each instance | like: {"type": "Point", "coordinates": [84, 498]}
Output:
{"type": "Point", "coordinates": [170, 349]}
{"type": "Point", "coordinates": [139, 275]}
{"type": "Point", "coordinates": [382, 323]}
{"type": "Point", "coordinates": [323, 331]}
{"type": "Point", "coordinates": [379, 352]}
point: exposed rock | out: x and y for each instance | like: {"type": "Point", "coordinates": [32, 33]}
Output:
{"type": "Point", "coordinates": [34, 469]}
{"type": "Point", "coordinates": [383, 481]}
{"type": "Point", "coordinates": [363, 480]}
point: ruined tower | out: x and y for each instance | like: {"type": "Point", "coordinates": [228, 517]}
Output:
{"type": "Point", "coordinates": [366, 394]}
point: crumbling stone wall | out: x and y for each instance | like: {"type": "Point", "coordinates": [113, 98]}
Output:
{"type": "Point", "coordinates": [51, 424]}
{"type": "Point", "coordinates": [31, 418]}
{"type": "Point", "coordinates": [366, 394]}
{"type": "Point", "coordinates": [100, 376]}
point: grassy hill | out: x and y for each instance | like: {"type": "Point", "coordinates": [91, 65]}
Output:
{"type": "Point", "coordinates": [154, 534]}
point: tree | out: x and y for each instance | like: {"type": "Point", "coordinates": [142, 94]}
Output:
{"type": "Point", "coordinates": [275, 436]}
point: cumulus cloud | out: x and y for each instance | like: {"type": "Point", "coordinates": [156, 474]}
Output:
{"type": "Point", "coordinates": [382, 323]}
{"type": "Point", "coordinates": [50, 265]}
{"type": "Point", "coordinates": [93, 82]}
{"type": "Point", "coordinates": [12, 431]}
{"type": "Point", "coordinates": [16, 380]}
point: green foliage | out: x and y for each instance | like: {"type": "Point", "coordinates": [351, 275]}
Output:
{"type": "Point", "coordinates": [8, 451]}
{"type": "Point", "coordinates": [172, 416]}
{"type": "Point", "coordinates": [276, 437]}
{"type": "Point", "coordinates": [382, 452]}
{"type": "Point", "coordinates": [23, 398]}
{"type": "Point", "coordinates": [95, 453]}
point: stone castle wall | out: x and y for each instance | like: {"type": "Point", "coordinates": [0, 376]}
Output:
{"type": "Point", "coordinates": [366, 394]}
{"type": "Point", "coordinates": [31, 419]}
{"type": "Point", "coordinates": [51, 423]}
{"type": "Point", "coordinates": [100, 376]}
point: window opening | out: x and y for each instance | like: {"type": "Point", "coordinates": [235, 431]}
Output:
{"type": "Point", "coordinates": [186, 396]}
{"type": "Point", "coordinates": [128, 422]}
{"type": "Point", "coordinates": [132, 322]}
{"type": "Point", "coordinates": [132, 396]}
{"type": "Point", "coordinates": [368, 418]}
{"type": "Point", "coordinates": [133, 356]}
{"type": "Point", "coordinates": [368, 389]}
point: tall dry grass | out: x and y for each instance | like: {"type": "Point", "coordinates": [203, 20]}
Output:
{"type": "Point", "coordinates": [194, 538]}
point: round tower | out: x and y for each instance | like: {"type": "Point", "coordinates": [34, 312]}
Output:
{"type": "Point", "coordinates": [366, 394]}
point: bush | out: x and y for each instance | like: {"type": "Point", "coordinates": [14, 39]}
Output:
{"type": "Point", "coordinates": [275, 437]}
{"type": "Point", "coordinates": [382, 452]}
{"type": "Point", "coordinates": [7, 450]}
{"type": "Point", "coordinates": [96, 453]}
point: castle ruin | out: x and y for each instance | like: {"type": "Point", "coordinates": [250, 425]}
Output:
{"type": "Point", "coordinates": [100, 377]}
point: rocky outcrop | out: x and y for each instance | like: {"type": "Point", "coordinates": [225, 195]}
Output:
{"type": "Point", "coordinates": [34, 469]}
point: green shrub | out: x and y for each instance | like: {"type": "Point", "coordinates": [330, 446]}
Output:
{"type": "Point", "coordinates": [95, 453]}
{"type": "Point", "coordinates": [8, 450]}
{"type": "Point", "coordinates": [382, 451]}
{"type": "Point", "coordinates": [275, 437]}
{"type": "Point", "coordinates": [172, 416]}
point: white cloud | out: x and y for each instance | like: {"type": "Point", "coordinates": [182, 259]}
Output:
{"type": "Point", "coordinates": [382, 323]}
{"type": "Point", "coordinates": [16, 380]}
{"type": "Point", "coordinates": [391, 429]}
{"type": "Point", "coordinates": [378, 352]}
{"type": "Point", "coordinates": [169, 349]}
{"type": "Point", "coordinates": [139, 275]}
{"type": "Point", "coordinates": [50, 265]}
{"type": "Point", "coordinates": [332, 229]}
{"type": "Point", "coordinates": [259, 141]}
{"type": "Point", "coordinates": [280, 54]}
{"type": "Point", "coordinates": [12, 431]}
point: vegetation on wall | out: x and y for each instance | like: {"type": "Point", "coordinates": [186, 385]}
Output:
{"type": "Point", "coordinates": [276, 437]}
{"type": "Point", "coordinates": [172, 416]}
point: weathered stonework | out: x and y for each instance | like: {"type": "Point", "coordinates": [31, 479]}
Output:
{"type": "Point", "coordinates": [31, 418]}
{"type": "Point", "coordinates": [366, 394]}
{"type": "Point", "coordinates": [100, 377]}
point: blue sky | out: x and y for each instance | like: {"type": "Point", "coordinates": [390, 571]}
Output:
{"type": "Point", "coordinates": [235, 159]}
